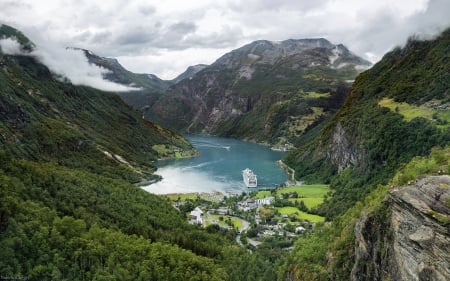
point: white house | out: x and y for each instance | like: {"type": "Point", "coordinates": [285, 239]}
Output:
{"type": "Point", "coordinates": [196, 216]}
{"type": "Point", "coordinates": [299, 229]}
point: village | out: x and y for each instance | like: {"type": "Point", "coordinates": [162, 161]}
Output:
{"type": "Point", "coordinates": [276, 217]}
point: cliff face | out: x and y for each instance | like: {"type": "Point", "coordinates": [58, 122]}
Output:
{"type": "Point", "coordinates": [411, 241]}
{"type": "Point", "coordinates": [342, 152]}
{"type": "Point", "coordinates": [264, 91]}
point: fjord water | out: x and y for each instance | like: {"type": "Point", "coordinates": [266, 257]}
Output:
{"type": "Point", "coordinates": [218, 167]}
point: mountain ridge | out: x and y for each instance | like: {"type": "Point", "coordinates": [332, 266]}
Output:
{"type": "Point", "coordinates": [255, 91]}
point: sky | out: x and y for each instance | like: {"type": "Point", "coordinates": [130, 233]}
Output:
{"type": "Point", "coordinates": [165, 37]}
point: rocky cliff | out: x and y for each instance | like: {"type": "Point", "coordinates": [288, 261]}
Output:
{"type": "Point", "coordinates": [342, 152]}
{"type": "Point", "coordinates": [263, 91]}
{"type": "Point", "coordinates": [411, 239]}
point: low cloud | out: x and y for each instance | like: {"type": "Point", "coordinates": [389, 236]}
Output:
{"type": "Point", "coordinates": [69, 63]}
{"type": "Point", "coordinates": [159, 31]}
{"type": "Point", "coordinates": [10, 46]}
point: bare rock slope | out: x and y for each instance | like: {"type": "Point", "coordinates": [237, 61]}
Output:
{"type": "Point", "coordinates": [414, 242]}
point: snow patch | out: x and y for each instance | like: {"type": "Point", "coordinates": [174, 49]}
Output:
{"type": "Point", "coordinates": [253, 57]}
{"type": "Point", "coordinates": [246, 72]}
{"type": "Point", "coordinates": [336, 53]}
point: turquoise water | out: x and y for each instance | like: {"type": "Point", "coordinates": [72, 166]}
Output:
{"type": "Point", "coordinates": [219, 167]}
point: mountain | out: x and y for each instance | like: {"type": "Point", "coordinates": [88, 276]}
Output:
{"type": "Point", "coordinates": [70, 159]}
{"type": "Point", "coordinates": [396, 110]}
{"type": "Point", "coordinates": [123, 76]}
{"type": "Point", "coordinates": [149, 87]}
{"type": "Point", "coordinates": [264, 91]}
{"type": "Point", "coordinates": [45, 119]}
{"type": "Point", "coordinates": [189, 72]}
{"type": "Point", "coordinates": [386, 156]}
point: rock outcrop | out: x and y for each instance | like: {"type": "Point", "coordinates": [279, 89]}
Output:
{"type": "Point", "coordinates": [342, 152]}
{"type": "Point", "coordinates": [410, 240]}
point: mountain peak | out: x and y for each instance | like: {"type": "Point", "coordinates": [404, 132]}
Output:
{"type": "Point", "coordinates": [306, 52]}
{"type": "Point", "coordinates": [190, 72]}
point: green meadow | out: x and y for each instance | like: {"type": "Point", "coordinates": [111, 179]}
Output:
{"type": "Point", "coordinates": [311, 195]}
{"type": "Point", "coordinates": [300, 215]}
{"type": "Point", "coordinates": [410, 112]}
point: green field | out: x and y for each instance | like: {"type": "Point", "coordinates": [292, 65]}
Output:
{"type": "Point", "coordinates": [181, 196]}
{"type": "Point", "coordinates": [312, 195]}
{"type": "Point", "coordinates": [317, 95]}
{"type": "Point", "coordinates": [262, 194]}
{"type": "Point", "coordinates": [212, 197]}
{"type": "Point", "coordinates": [309, 202]}
{"type": "Point", "coordinates": [306, 191]}
{"type": "Point", "coordinates": [237, 223]}
{"type": "Point", "coordinates": [410, 112]}
{"type": "Point", "coordinates": [300, 214]}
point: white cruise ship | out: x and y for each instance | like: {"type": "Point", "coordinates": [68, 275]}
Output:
{"type": "Point", "coordinates": [249, 178]}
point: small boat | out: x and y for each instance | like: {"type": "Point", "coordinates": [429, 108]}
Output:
{"type": "Point", "coordinates": [249, 178]}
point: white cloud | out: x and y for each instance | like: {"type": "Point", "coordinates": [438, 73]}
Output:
{"type": "Point", "coordinates": [160, 30]}
{"type": "Point", "coordinates": [69, 63]}
{"type": "Point", "coordinates": [10, 46]}
{"type": "Point", "coordinates": [169, 64]}
{"type": "Point", "coordinates": [74, 65]}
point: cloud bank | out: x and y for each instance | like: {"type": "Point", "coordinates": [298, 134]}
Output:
{"type": "Point", "coordinates": [69, 63]}
{"type": "Point", "coordinates": [150, 36]}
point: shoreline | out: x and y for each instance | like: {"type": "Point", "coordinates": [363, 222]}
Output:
{"type": "Point", "coordinates": [288, 170]}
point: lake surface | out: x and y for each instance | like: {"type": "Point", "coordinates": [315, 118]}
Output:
{"type": "Point", "coordinates": [219, 167]}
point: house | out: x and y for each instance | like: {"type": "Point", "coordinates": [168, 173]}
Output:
{"type": "Point", "coordinates": [196, 216]}
{"type": "Point", "coordinates": [265, 201]}
{"type": "Point", "coordinates": [299, 229]}
{"type": "Point", "coordinates": [247, 205]}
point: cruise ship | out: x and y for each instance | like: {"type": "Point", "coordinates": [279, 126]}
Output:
{"type": "Point", "coordinates": [249, 178]}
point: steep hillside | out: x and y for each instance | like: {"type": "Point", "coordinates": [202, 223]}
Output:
{"type": "Point", "coordinates": [398, 109]}
{"type": "Point", "coordinates": [412, 241]}
{"type": "Point", "coordinates": [398, 232]}
{"type": "Point", "coordinates": [68, 208]}
{"type": "Point", "coordinates": [44, 119]}
{"type": "Point", "coordinates": [149, 87]}
{"type": "Point", "coordinates": [264, 91]}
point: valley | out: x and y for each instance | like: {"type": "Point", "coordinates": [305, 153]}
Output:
{"type": "Point", "coordinates": [367, 147]}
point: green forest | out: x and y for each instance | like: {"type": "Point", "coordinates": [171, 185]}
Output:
{"type": "Point", "coordinates": [72, 159]}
